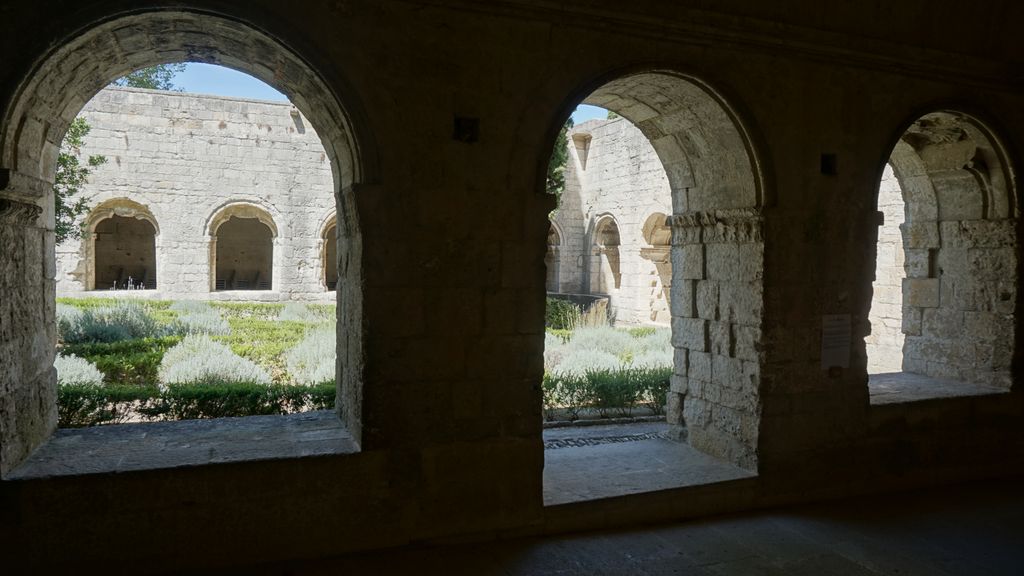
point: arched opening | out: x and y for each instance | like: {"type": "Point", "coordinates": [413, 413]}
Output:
{"type": "Point", "coordinates": [606, 270]}
{"type": "Point", "coordinates": [330, 256]}
{"type": "Point", "coordinates": [551, 260]}
{"type": "Point", "coordinates": [118, 250]}
{"type": "Point", "coordinates": [959, 255]}
{"type": "Point", "coordinates": [125, 252]}
{"type": "Point", "coordinates": [885, 343]}
{"type": "Point", "coordinates": [33, 126]}
{"type": "Point", "coordinates": [658, 239]}
{"type": "Point", "coordinates": [242, 249]}
{"type": "Point", "coordinates": [700, 251]}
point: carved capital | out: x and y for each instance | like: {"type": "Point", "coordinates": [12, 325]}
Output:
{"type": "Point", "coordinates": [741, 225]}
{"type": "Point", "coordinates": [18, 213]}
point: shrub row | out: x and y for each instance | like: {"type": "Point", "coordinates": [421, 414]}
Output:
{"type": "Point", "coordinates": [89, 405]}
{"type": "Point", "coordinates": [127, 361]}
{"type": "Point", "coordinates": [561, 314]}
{"type": "Point", "coordinates": [612, 392]}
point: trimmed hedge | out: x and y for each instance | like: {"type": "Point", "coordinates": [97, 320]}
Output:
{"type": "Point", "coordinates": [610, 392]}
{"type": "Point", "coordinates": [80, 406]}
{"type": "Point", "coordinates": [125, 362]}
{"type": "Point", "coordinates": [561, 314]}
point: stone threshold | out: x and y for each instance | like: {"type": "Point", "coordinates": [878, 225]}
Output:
{"type": "Point", "coordinates": [602, 421]}
{"type": "Point", "coordinates": [901, 387]}
{"type": "Point", "coordinates": [607, 462]}
{"type": "Point", "coordinates": [161, 445]}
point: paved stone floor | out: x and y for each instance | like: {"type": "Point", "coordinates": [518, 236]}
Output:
{"type": "Point", "coordinates": [895, 387]}
{"type": "Point", "coordinates": [966, 530]}
{"type": "Point", "coordinates": [592, 462]}
{"type": "Point", "coordinates": [125, 447]}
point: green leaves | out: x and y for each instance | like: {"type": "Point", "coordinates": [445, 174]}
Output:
{"type": "Point", "coordinates": [555, 183]}
{"type": "Point", "coordinates": [71, 175]}
{"type": "Point", "coordinates": [159, 77]}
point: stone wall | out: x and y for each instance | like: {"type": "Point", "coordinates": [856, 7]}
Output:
{"type": "Point", "coordinates": [885, 343]}
{"type": "Point", "coordinates": [442, 304]}
{"type": "Point", "coordinates": [613, 174]}
{"type": "Point", "coordinates": [184, 159]}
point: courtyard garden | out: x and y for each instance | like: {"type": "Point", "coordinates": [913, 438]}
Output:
{"type": "Point", "coordinates": [124, 361]}
{"type": "Point", "coordinates": [148, 360]}
{"type": "Point", "coordinates": [592, 370]}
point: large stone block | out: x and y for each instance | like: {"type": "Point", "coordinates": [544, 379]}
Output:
{"type": "Point", "coordinates": [690, 333]}
{"type": "Point", "coordinates": [746, 344]}
{"type": "Point", "coordinates": [918, 234]}
{"type": "Point", "coordinates": [707, 299]}
{"type": "Point", "coordinates": [692, 262]}
{"type": "Point", "coordinates": [720, 338]}
{"type": "Point", "coordinates": [917, 263]}
{"type": "Point", "coordinates": [700, 366]}
{"type": "Point", "coordinates": [722, 261]}
{"type": "Point", "coordinates": [921, 292]}
{"type": "Point", "coordinates": [741, 302]}
{"type": "Point", "coordinates": [683, 297]}
{"type": "Point", "coordinates": [911, 321]}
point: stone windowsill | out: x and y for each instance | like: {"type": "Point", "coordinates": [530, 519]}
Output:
{"type": "Point", "coordinates": [161, 445]}
{"type": "Point", "coordinates": [901, 387]}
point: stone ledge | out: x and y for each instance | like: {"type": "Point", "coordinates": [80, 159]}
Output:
{"type": "Point", "coordinates": [161, 445]}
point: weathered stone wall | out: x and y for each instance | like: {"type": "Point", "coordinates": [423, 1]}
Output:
{"type": "Point", "coordinates": [885, 343]}
{"type": "Point", "coordinates": [28, 389]}
{"type": "Point", "coordinates": [613, 172]}
{"type": "Point", "coordinates": [441, 310]}
{"type": "Point", "coordinates": [960, 294]}
{"type": "Point", "coordinates": [184, 158]}
{"type": "Point", "coordinates": [717, 310]}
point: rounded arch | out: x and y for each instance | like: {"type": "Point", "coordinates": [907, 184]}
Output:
{"type": "Point", "coordinates": [687, 120]}
{"type": "Point", "coordinates": [959, 245]}
{"type": "Point", "coordinates": [328, 238]}
{"type": "Point", "coordinates": [942, 138]}
{"type": "Point", "coordinates": [240, 209]}
{"type": "Point", "coordinates": [121, 246]}
{"type": "Point", "coordinates": [554, 235]}
{"type": "Point", "coordinates": [553, 258]}
{"type": "Point", "coordinates": [656, 230]}
{"type": "Point", "coordinates": [57, 86]}
{"type": "Point", "coordinates": [63, 81]}
{"type": "Point", "coordinates": [120, 207]}
{"type": "Point", "coordinates": [712, 162]}
{"type": "Point", "coordinates": [605, 231]}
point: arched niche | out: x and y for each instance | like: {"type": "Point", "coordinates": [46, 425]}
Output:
{"type": "Point", "coordinates": [242, 248]}
{"type": "Point", "coordinates": [552, 259]}
{"type": "Point", "coordinates": [606, 272]}
{"type": "Point", "coordinates": [959, 245]}
{"type": "Point", "coordinates": [34, 123]}
{"type": "Point", "coordinates": [329, 253]}
{"type": "Point", "coordinates": [121, 246]}
{"type": "Point", "coordinates": [657, 235]}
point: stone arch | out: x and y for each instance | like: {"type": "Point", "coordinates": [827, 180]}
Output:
{"type": "Point", "coordinates": [606, 272]}
{"type": "Point", "coordinates": [657, 234]}
{"type": "Point", "coordinates": [55, 90]}
{"type": "Point", "coordinates": [107, 266]}
{"type": "Point", "coordinates": [243, 248]}
{"type": "Point", "coordinates": [960, 248]}
{"type": "Point", "coordinates": [718, 192]}
{"type": "Point", "coordinates": [329, 252]}
{"type": "Point", "coordinates": [552, 259]}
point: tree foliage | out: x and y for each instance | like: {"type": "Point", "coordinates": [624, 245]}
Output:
{"type": "Point", "coordinates": [556, 166]}
{"type": "Point", "coordinates": [71, 174]}
{"type": "Point", "coordinates": [159, 77]}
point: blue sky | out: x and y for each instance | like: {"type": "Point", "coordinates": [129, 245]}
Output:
{"type": "Point", "coordinates": [211, 79]}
